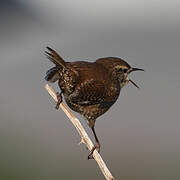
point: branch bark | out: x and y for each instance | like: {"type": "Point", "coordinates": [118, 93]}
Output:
{"type": "Point", "coordinates": [84, 136]}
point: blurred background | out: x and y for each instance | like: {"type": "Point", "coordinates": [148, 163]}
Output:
{"type": "Point", "coordinates": [140, 135]}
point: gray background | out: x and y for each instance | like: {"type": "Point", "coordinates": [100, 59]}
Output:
{"type": "Point", "coordinates": [140, 135]}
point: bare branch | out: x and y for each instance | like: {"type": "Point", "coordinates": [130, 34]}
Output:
{"type": "Point", "coordinates": [84, 137]}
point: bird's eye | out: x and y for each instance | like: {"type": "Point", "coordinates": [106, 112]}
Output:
{"type": "Point", "coordinates": [125, 70]}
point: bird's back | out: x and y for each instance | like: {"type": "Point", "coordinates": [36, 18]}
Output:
{"type": "Point", "coordinates": [88, 70]}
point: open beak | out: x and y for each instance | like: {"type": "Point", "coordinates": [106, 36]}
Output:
{"type": "Point", "coordinates": [134, 83]}
{"type": "Point", "coordinates": [135, 69]}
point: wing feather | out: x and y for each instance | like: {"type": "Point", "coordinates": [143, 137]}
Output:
{"type": "Point", "coordinates": [89, 93]}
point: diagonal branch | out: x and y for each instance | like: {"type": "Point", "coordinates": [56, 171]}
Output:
{"type": "Point", "coordinates": [84, 137]}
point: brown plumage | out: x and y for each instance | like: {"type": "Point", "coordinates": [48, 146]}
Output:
{"type": "Point", "coordinates": [89, 88]}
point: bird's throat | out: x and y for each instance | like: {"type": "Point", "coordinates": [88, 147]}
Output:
{"type": "Point", "coordinates": [124, 82]}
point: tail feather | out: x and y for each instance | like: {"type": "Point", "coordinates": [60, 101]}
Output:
{"type": "Point", "coordinates": [54, 57]}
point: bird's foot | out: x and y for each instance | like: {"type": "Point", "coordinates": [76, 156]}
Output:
{"type": "Point", "coordinates": [97, 147]}
{"type": "Point", "coordinates": [59, 98]}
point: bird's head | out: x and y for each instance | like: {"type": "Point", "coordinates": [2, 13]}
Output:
{"type": "Point", "coordinates": [122, 69]}
{"type": "Point", "coordinates": [119, 68]}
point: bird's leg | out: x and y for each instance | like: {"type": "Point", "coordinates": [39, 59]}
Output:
{"type": "Point", "coordinates": [59, 98]}
{"type": "Point", "coordinates": [96, 146]}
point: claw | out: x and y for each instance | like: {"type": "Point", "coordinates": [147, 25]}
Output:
{"type": "Point", "coordinates": [97, 147]}
{"type": "Point", "coordinates": [59, 98]}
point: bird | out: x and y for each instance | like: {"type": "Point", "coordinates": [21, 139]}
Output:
{"type": "Point", "coordinates": [89, 88]}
